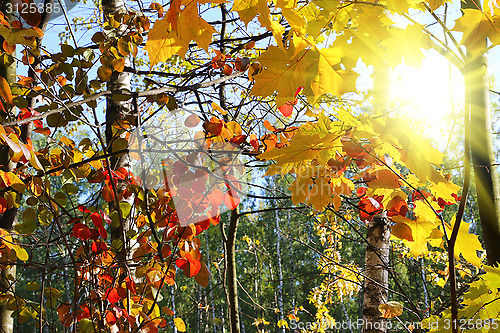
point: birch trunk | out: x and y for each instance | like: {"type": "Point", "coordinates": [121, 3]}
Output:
{"type": "Point", "coordinates": [378, 234]}
{"type": "Point", "coordinates": [376, 274]}
{"type": "Point", "coordinates": [116, 111]}
{"type": "Point", "coordinates": [7, 219]}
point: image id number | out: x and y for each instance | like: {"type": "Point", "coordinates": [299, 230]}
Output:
{"type": "Point", "coordinates": [31, 8]}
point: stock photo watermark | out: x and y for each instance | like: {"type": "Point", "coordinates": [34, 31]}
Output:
{"type": "Point", "coordinates": [200, 174]}
{"type": "Point", "coordinates": [396, 326]}
{"type": "Point", "coordinates": [27, 8]}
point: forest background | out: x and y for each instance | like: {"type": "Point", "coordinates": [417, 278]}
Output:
{"type": "Point", "coordinates": [213, 166]}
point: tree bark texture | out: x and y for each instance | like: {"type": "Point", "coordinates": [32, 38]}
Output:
{"type": "Point", "coordinates": [7, 219]}
{"type": "Point", "coordinates": [116, 111]}
{"type": "Point", "coordinates": [376, 274]}
{"type": "Point", "coordinates": [231, 274]}
{"type": "Point", "coordinates": [482, 156]}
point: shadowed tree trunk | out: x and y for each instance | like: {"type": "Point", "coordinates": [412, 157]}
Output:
{"type": "Point", "coordinates": [231, 274]}
{"type": "Point", "coordinates": [485, 174]}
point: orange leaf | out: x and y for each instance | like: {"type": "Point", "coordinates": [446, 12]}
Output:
{"type": "Point", "coordinates": [63, 311]}
{"type": "Point", "coordinates": [269, 127]}
{"type": "Point", "coordinates": [249, 45]}
{"type": "Point", "coordinates": [8, 48]}
{"type": "Point", "coordinates": [194, 266]}
{"type": "Point", "coordinates": [202, 277]}
{"type": "Point", "coordinates": [227, 69]}
{"type": "Point", "coordinates": [286, 109]}
{"type": "Point", "coordinates": [112, 295]}
{"type": "Point", "coordinates": [110, 318]}
{"type": "Point", "coordinates": [108, 194]}
{"type": "Point", "coordinates": [130, 285]}
{"type": "Point", "coordinates": [231, 200]}
{"type": "Point", "coordinates": [391, 309]}
{"type": "Point", "coordinates": [402, 231]}
{"type": "Point", "coordinates": [5, 92]}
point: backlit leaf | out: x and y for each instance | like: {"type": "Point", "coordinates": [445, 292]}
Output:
{"type": "Point", "coordinates": [179, 324]}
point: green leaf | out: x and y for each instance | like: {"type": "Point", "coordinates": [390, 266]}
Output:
{"type": "Point", "coordinates": [32, 286]}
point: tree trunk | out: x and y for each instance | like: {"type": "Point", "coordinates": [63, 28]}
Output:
{"type": "Point", "coordinates": [482, 156]}
{"type": "Point", "coordinates": [7, 275]}
{"type": "Point", "coordinates": [231, 274]}
{"type": "Point", "coordinates": [376, 274]}
{"type": "Point", "coordinates": [116, 111]}
{"type": "Point", "coordinates": [280, 272]}
{"type": "Point", "coordinates": [378, 234]}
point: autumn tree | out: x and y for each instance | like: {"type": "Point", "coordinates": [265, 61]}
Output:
{"type": "Point", "coordinates": [203, 97]}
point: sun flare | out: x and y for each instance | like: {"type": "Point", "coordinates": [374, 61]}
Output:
{"type": "Point", "coordinates": [429, 96]}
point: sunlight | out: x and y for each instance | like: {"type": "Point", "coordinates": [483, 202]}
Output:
{"type": "Point", "coordinates": [429, 96]}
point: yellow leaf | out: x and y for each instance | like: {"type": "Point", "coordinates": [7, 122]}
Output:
{"type": "Point", "coordinates": [421, 232]}
{"type": "Point", "coordinates": [20, 252]}
{"type": "Point", "coordinates": [282, 323]}
{"type": "Point", "coordinates": [391, 309]}
{"type": "Point", "coordinates": [444, 190]}
{"type": "Point", "coordinates": [407, 42]}
{"type": "Point", "coordinates": [6, 238]}
{"type": "Point", "coordinates": [318, 71]}
{"type": "Point", "coordinates": [166, 39]}
{"type": "Point", "coordinates": [477, 26]}
{"type": "Point", "coordinates": [180, 325]}
{"type": "Point", "coordinates": [312, 142]}
{"type": "Point", "coordinates": [467, 244]}
{"type": "Point", "coordinates": [20, 36]}
{"type": "Point", "coordinates": [248, 9]}
{"type": "Point", "coordinates": [10, 179]}
{"type": "Point", "coordinates": [424, 212]}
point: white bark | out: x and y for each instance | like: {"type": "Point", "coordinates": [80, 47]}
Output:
{"type": "Point", "coordinates": [376, 274]}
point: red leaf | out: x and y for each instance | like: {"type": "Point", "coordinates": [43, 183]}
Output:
{"type": "Point", "coordinates": [254, 142]}
{"type": "Point", "coordinates": [181, 263]}
{"type": "Point", "coordinates": [110, 318]}
{"type": "Point", "coordinates": [238, 140]}
{"type": "Point", "coordinates": [3, 204]}
{"type": "Point", "coordinates": [83, 209]}
{"type": "Point", "coordinates": [96, 219]}
{"type": "Point", "coordinates": [369, 206]}
{"type": "Point", "coordinates": [286, 109]}
{"type": "Point", "coordinates": [112, 295]}
{"type": "Point", "coordinates": [130, 285]}
{"type": "Point", "coordinates": [102, 232]}
{"type": "Point", "coordinates": [81, 231]}
{"type": "Point", "coordinates": [231, 200]}
{"type": "Point", "coordinates": [213, 128]}
{"type": "Point", "coordinates": [194, 265]}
